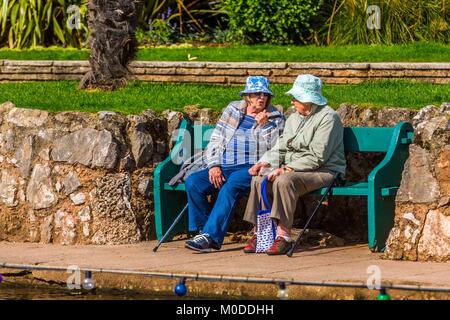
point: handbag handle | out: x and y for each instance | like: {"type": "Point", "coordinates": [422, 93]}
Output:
{"type": "Point", "coordinates": [264, 194]}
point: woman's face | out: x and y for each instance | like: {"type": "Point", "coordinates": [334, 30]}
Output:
{"type": "Point", "coordinates": [302, 108]}
{"type": "Point", "coordinates": [258, 100]}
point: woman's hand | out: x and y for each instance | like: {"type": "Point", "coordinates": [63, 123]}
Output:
{"type": "Point", "coordinates": [275, 173]}
{"type": "Point", "coordinates": [262, 118]}
{"type": "Point", "coordinates": [216, 177]}
{"type": "Point", "coordinates": [256, 168]}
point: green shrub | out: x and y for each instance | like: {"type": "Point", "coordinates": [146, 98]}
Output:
{"type": "Point", "coordinates": [402, 21]}
{"type": "Point", "coordinates": [168, 21]}
{"type": "Point", "coordinates": [25, 23]}
{"type": "Point", "coordinates": [271, 21]}
{"type": "Point", "coordinates": [32, 23]}
{"type": "Point", "coordinates": [160, 32]}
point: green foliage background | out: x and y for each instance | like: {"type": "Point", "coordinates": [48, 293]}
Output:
{"type": "Point", "coordinates": [33, 23]}
{"type": "Point", "coordinates": [401, 21]}
{"type": "Point", "coordinates": [26, 23]}
{"type": "Point", "coordinates": [271, 21]}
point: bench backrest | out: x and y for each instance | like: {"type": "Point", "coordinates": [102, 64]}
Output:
{"type": "Point", "coordinates": [356, 139]}
{"type": "Point", "coordinates": [202, 135]}
{"type": "Point", "coordinates": [365, 139]}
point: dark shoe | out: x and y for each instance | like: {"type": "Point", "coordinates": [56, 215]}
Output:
{"type": "Point", "coordinates": [202, 243]}
{"type": "Point", "coordinates": [251, 245]}
{"type": "Point", "coordinates": [280, 246]}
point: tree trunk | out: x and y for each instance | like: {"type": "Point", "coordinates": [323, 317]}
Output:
{"type": "Point", "coordinates": [112, 41]}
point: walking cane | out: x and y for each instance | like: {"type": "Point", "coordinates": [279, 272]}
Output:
{"type": "Point", "coordinates": [170, 229]}
{"type": "Point", "coordinates": [294, 246]}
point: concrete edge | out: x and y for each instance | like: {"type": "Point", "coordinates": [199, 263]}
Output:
{"type": "Point", "coordinates": [219, 290]}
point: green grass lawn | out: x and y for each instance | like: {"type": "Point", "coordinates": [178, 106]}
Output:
{"type": "Point", "coordinates": [416, 52]}
{"type": "Point", "coordinates": [139, 96]}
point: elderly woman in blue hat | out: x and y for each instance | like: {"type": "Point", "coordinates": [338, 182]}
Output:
{"type": "Point", "coordinates": [306, 157]}
{"type": "Point", "coordinates": [245, 131]}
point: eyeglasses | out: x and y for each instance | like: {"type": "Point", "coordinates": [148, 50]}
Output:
{"type": "Point", "coordinates": [259, 94]}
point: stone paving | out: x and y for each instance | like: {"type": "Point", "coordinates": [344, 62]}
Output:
{"type": "Point", "coordinates": [339, 264]}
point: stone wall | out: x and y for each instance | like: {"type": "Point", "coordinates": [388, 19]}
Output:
{"type": "Point", "coordinates": [422, 222]}
{"type": "Point", "coordinates": [231, 72]}
{"type": "Point", "coordinates": [76, 178]}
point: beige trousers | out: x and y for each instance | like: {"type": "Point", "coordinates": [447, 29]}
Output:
{"type": "Point", "coordinates": [283, 194]}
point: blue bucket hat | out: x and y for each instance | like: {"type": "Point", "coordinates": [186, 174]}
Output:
{"type": "Point", "coordinates": [256, 84]}
{"type": "Point", "coordinates": [308, 89]}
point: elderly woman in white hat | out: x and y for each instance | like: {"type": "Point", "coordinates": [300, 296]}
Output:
{"type": "Point", "coordinates": [306, 157]}
{"type": "Point", "coordinates": [245, 131]}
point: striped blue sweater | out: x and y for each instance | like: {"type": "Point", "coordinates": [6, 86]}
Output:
{"type": "Point", "coordinates": [264, 137]}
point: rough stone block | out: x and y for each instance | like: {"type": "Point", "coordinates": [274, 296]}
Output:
{"type": "Point", "coordinates": [25, 69]}
{"type": "Point", "coordinates": [193, 72]}
{"type": "Point", "coordinates": [387, 73]}
{"type": "Point", "coordinates": [161, 71]}
{"type": "Point", "coordinates": [46, 230]}
{"type": "Point", "coordinates": [227, 72]}
{"type": "Point", "coordinates": [412, 65]}
{"type": "Point", "coordinates": [87, 146]}
{"type": "Point", "coordinates": [343, 80]}
{"type": "Point", "coordinates": [24, 156]}
{"type": "Point", "coordinates": [259, 72]}
{"type": "Point", "coordinates": [8, 188]}
{"type": "Point", "coordinates": [442, 168]}
{"type": "Point", "coordinates": [315, 72]}
{"type": "Point", "coordinates": [427, 73]}
{"type": "Point", "coordinates": [71, 183]}
{"type": "Point", "coordinates": [69, 63]}
{"type": "Point", "coordinates": [327, 65]}
{"type": "Point", "coordinates": [40, 188]}
{"type": "Point", "coordinates": [185, 79]}
{"type": "Point", "coordinates": [350, 73]}
{"type": "Point", "coordinates": [417, 165]}
{"type": "Point", "coordinates": [114, 221]}
{"type": "Point", "coordinates": [285, 79]}
{"type": "Point", "coordinates": [236, 80]}
{"type": "Point", "coordinates": [65, 77]}
{"type": "Point", "coordinates": [137, 70]}
{"type": "Point", "coordinates": [27, 118]}
{"type": "Point", "coordinates": [78, 198]}
{"type": "Point", "coordinates": [70, 70]}
{"type": "Point", "coordinates": [141, 144]}
{"type": "Point", "coordinates": [434, 243]}
{"type": "Point", "coordinates": [28, 63]}
{"type": "Point", "coordinates": [246, 65]}
{"type": "Point", "coordinates": [169, 64]}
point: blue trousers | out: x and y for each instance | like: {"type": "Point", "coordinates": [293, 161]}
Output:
{"type": "Point", "coordinates": [215, 221]}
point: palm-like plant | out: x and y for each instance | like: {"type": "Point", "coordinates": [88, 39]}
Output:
{"type": "Point", "coordinates": [113, 44]}
{"type": "Point", "coordinates": [401, 21]}
{"type": "Point", "coordinates": [25, 23]}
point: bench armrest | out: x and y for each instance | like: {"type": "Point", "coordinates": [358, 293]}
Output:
{"type": "Point", "coordinates": [180, 152]}
{"type": "Point", "coordinates": [388, 172]}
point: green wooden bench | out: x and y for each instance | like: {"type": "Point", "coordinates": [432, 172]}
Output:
{"type": "Point", "coordinates": [380, 189]}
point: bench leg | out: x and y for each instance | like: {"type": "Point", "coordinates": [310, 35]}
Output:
{"type": "Point", "coordinates": [381, 213]}
{"type": "Point", "coordinates": [168, 205]}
